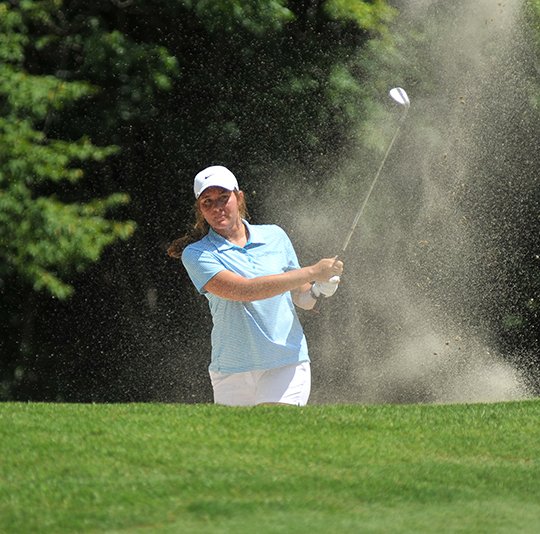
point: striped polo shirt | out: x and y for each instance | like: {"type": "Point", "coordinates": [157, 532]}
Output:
{"type": "Point", "coordinates": [248, 336]}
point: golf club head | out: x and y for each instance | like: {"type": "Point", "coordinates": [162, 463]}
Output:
{"type": "Point", "coordinates": [400, 96]}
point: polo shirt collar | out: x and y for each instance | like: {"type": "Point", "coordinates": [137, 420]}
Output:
{"type": "Point", "coordinates": [255, 235]}
{"type": "Point", "coordinates": [255, 238]}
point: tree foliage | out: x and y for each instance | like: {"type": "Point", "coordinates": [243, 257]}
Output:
{"type": "Point", "coordinates": [43, 238]}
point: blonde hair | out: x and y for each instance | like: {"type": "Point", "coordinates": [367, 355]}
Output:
{"type": "Point", "coordinates": [200, 228]}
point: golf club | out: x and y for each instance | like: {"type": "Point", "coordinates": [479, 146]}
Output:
{"type": "Point", "coordinates": [400, 96]}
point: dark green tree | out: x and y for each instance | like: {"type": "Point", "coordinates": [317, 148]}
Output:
{"type": "Point", "coordinates": [44, 238]}
{"type": "Point", "coordinates": [47, 233]}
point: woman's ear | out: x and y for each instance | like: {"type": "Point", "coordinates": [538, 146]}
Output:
{"type": "Point", "coordinates": [240, 198]}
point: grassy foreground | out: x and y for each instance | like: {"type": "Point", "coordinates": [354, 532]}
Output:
{"type": "Point", "coordinates": [204, 468]}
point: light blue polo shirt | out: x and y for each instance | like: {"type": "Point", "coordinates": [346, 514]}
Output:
{"type": "Point", "coordinates": [248, 336]}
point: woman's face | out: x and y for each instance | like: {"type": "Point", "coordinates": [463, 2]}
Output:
{"type": "Point", "coordinates": [219, 208]}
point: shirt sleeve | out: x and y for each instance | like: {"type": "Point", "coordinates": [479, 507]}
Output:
{"type": "Point", "coordinates": [201, 266]}
{"type": "Point", "coordinates": [290, 254]}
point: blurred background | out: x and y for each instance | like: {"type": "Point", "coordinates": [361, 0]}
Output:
{"type": "Point", "coordinates": [109, 108]}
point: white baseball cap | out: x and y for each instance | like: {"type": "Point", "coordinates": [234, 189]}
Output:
{"type": "Point", "coordinates": [216, 175]}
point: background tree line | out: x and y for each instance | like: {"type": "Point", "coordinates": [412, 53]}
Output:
{"type": "Point", "coordinates": [109, 108]}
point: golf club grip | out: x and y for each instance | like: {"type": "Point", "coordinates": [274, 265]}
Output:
{"type": "Point", "coordinates": [317, 307]}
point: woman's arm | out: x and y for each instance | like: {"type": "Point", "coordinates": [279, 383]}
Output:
{"type": "Point", "coordinates": [232, 286]}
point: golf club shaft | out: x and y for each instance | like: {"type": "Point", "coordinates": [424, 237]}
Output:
{"type": "Point", "coordinates": [318, 303]}
{"type": "Point", "coordinates": [372, 186]}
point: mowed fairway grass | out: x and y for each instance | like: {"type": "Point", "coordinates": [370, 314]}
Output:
{"type": "Point", "coordinates": [204, 468]}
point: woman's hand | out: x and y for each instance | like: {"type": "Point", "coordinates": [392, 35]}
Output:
{"type": "Point", "coordinates": [326, 269]}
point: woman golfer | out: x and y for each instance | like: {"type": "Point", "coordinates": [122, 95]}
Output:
{"type": "Point", "coordinates": [251, 278]}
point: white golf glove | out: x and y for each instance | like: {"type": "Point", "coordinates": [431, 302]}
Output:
{"type": "Point", "coordinates": [326, 289]}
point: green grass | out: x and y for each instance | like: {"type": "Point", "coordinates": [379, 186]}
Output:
{"type": "Point", "coordinates": [204, 469]}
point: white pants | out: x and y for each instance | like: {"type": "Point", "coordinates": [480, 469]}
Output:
{"type": "Point", "coordinates": [290, 384]}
